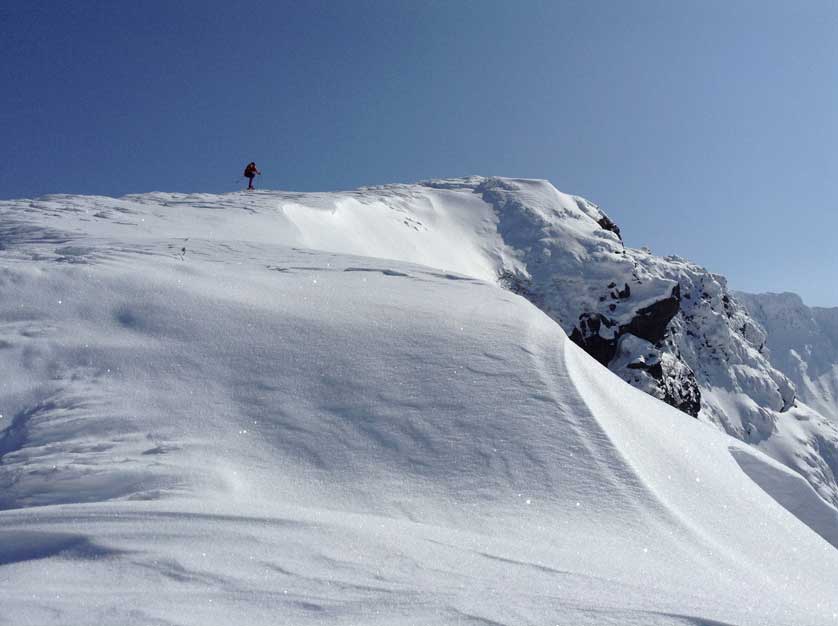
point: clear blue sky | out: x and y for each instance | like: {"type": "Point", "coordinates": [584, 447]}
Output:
{"type": "Point", "coordinates": [705, 128]}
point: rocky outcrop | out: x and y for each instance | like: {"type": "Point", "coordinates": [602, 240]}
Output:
{"type": "Point", "coordinates": [676, 385]}
{"type": "Point", "coordinates": [587, 335]}
{"type": "Point", "coordinates": [663, 324]}
{"type": "Point", "coordinates": [620, 303]}
{"type": "Point", "coordinates": [606, 224]}
{"type": "Point", "coordinates": [650, 323]}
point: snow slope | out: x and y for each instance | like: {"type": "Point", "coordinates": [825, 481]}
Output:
{"type": "Point", "coordinates": [220, 409]}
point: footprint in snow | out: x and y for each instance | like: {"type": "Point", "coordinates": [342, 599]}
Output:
{"type": "Point", "coordinates": [372, 269]}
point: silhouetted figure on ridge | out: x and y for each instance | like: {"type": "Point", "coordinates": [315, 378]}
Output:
{"type": "Point", "coordinates": [250, 173]}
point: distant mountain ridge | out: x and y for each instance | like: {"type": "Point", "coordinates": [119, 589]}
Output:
{"type": "Point", "coordinates": [803, 344]}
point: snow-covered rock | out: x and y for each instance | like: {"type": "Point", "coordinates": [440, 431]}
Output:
{"type": "Point", "coordinates": [222, 409]}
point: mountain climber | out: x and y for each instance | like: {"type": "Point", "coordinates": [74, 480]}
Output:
{"type": "Point", "coordinates": [250, 172]}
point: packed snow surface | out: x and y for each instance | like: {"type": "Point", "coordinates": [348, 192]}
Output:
{"type": "Point", "coordinates": [276, 408]}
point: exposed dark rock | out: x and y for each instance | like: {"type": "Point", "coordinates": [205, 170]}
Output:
{"type": "Point", "coordinates": [606, 224]}
{"type": "Point", "coordinates": [655, 371]}
{"type": "Point", "coordinates": [727, 306]}
{"type": "Point", "coordinates": [682, 392]}
{"type": "Point", "coordinates": [586, 335]}
{"type": "Point", "coordinates": [650, 323]}
{"type": "Point", "coordinates": [676, 381]}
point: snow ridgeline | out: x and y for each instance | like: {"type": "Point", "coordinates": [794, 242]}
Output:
{"type": "Point", "coordinates": [665, 325]}
{"type": "Point", "coordinates": [215, 413]}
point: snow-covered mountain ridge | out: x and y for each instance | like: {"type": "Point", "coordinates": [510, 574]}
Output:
{"type": "Point", "coordinates": [803, 344]}
{"type": "Point", "coordinates": [221, 409]}
{"type": "Point", "coordinates": [665, 325]}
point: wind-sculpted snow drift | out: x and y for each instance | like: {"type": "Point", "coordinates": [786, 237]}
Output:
{"type": "Point", "coordinates": [222, 409]}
